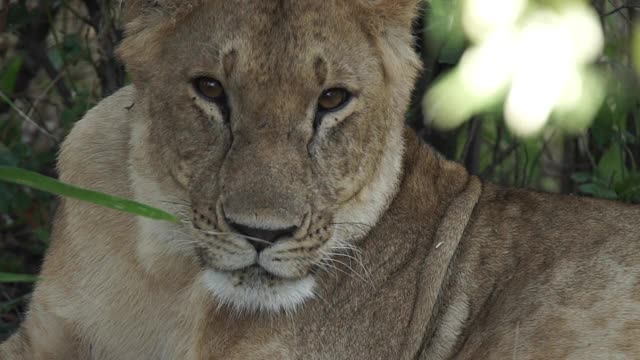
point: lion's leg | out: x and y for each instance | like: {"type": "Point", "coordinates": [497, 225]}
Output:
{"type": "Point", "coordinates": [14, 348]}
{"type": "Point", "coordinates": [42, 336]}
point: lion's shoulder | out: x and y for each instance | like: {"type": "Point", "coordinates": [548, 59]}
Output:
{"type": "Point", "coordinates": [96, 151]}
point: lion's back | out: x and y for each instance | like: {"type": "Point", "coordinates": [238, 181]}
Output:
{"type": "Point", "coordinates": [570, 287]}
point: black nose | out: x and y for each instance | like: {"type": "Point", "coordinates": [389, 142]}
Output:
{"type": "Point", "coordinates": [262, 238]}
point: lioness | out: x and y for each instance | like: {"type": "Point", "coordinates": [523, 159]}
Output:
{"type": "Point", "coordinates": [315, 225]}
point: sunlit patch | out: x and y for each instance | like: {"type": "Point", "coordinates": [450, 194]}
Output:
{"type": "Point", "coordinates": [534, 58]}
{"type": "Point", "coordinates": [481, 18]}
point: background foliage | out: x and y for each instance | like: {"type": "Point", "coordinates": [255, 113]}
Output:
{"type": "Point", "coordinates": [56, 62]}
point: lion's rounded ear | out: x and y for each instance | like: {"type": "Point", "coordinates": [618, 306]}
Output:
{"type": "Point", "coordinates": [134, 9]}
{"type": "Point", "coordinates": [390, 21]}
{"type": "Point", "coordinates": [147, 23]}
{"type": "Point", "coordinates": [394, 12]}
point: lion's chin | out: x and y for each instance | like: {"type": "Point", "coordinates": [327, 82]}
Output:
{"type": "Point", "coordinates": [254, 290]}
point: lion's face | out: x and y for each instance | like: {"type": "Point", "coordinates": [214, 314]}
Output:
{"type": "Point", "coordinates": [282, 120]}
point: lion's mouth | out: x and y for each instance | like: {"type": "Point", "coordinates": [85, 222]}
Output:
{"type": "Point", "coordinates": [256, 273]}
{"type": "Point", "coordinates": [254, 289]}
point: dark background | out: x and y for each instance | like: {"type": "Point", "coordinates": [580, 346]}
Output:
{"type": "Point", "coordinates": [57, 61]}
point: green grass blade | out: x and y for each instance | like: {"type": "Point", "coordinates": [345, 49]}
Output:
{"type": "Point", "coordinates": [17, 278]}
{"type": "Point", "coordinates": [44, 183]}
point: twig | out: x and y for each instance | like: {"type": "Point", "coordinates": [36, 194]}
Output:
{"type": "Point", "coordinates": [618, 9]}
{"type": "Point", "coordinates": [37, 52]}
{"type": "Point", "coordinates": [43, 94]}
{"type": "Point", "coordinates": [77, 14]}
{"type": "Point", "coordinates": [110, 71]}
{"type": "Point", "coordinates": [27, 118]}
{"type": "Point", "coordinates": [58, 44]}
{"type": "Point", "coordinates": [471, 152]}
{"type": "Point", "coordinates": [500, 158]}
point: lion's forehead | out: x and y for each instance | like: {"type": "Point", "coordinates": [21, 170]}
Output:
{"type": "Point", "coordinates": [278, 54]}
{"type": "Point", "coordinates": [272, 35]}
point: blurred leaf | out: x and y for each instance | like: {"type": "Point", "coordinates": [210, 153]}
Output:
{"type": "Point", "coordinates": [629, 188]}
{"type": "Point", "coordinates": [5, 199]}
{"type": "Point", "coordinates": [7, 157]}
{"type": "Point", "coordinates": [636, 47]}
{"type": "Point", "coordinates": [581, 177]}
{"type": "Point", "coordinates": [72, 48]}
{"type": "Point", "coordinates": [42, 234]}
{"type": "Point", "coordinates": [10, 75]}
{"type": "Point", "coordinates": [40, 182]}
{"type": "Point", "coordinates": [19, 15]}
{"type": "Point", "coordinates": [598, 190]}
{"type": "Point", "coordinates": [17, 278]}
{"type": "Point", "coordinates": [611, 165]}
{"type": "Point", "coordinates": [445, 30]}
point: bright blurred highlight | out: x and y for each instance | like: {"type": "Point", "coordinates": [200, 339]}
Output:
{"type": "Point", "coordinates": [536, 59]}
{"type": "Point", "coordinates": [482, 18]}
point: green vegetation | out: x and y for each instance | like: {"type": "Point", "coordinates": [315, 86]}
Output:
{"type": "Point", "coordinates": [37, 181]}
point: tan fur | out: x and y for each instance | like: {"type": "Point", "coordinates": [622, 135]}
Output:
{"type": "Point", "coordinates": [399, 254]}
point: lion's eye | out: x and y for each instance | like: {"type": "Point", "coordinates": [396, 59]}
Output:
{"type": "Point", "coordinates": [333, 99]}
{"type": "Point", "coordinates": [209, 88]}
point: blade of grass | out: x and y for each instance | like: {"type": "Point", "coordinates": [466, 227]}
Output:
{"type": "Point", "coordinates": [17, 278]}
{"type": "Point", "coordinates": [44, 183]}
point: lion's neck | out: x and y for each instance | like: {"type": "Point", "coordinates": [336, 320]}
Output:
{"type": "Point", "coordinates": [365, 209]}
{"type": "Point", "coordinates": [404, 262]}
{"type": "Point", "coordinates": [407, 214]}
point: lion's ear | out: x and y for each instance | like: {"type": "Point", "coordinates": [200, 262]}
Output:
{"type": "Point", "coordinates": [394, 12]}
{"type": "Point", "coordinates": [391, 23]}
{"type": "Point", "coordinates": [146, 24]}
{"type": "Point", "coordinates": [135, 9]}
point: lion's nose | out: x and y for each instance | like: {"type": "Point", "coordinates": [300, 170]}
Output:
{"type": "Point", "coordinates": [262, 238]}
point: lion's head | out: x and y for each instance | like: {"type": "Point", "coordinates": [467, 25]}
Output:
{"type": "Point", "coordinates": [280, 122]}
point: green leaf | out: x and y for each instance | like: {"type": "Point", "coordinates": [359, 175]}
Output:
{"type": "Point", "coordinates": [629, 188]}
{"type": "Point", "coordinates": [598, 191]}
{"type": "Point", "coordinates": [44, 183]}
{"type": "Point", "coordinates": [611, 167]}
{"type": "Point", "coordinates": [581, 177]}
{"type": "Point", "coordinates": [17, 278]}
{"type": "Point", "coordinates": [72, 47]}
{"type": "Point", "coordinates": [602, 129]}
{"type": "Point", "coordinates": [10, 75]}
{"type": "Point", "coordinates": [635, 45]}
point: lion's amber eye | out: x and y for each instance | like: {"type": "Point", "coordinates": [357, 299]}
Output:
{"type": "Point", "coordinates": [209, 88]}
{"type": "Point", "coordinates": [333, 99]}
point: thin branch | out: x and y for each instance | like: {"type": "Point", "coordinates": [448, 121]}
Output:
{"type": "Point", "coordinates": [43, 94]}
{"type": "Point", "coordinates": [39, 53]}
{"type": "Point", "coordinates": [6, 99]}
{"type": "Point", "coordinates": [499, 159]}
{"type": "Point", "coordinates": [58, 44]}
{"type": "Point", "coordinates": [110, 71]}
{"type": "Point", "coordinates": [77, 14]}
{"type": "Point", "coordinates": [618, 9]}
{"type": "Point", "coordinates": [471, 152]}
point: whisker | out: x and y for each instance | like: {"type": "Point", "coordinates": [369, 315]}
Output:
{"type": "Point", "coordinates": [175, 203]}
{"type": "Point", "coordinates": [334, 267]}
{"type": "Point", "coordinates": [220, 233]}
{"type": "Point", "coordinates": [351, 273]}
{"type": "Point", "coordinates": [368, 226]}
